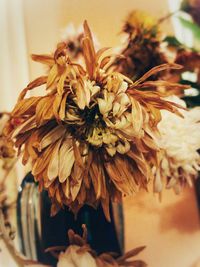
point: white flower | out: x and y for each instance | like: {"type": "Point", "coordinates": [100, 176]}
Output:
{"type": "Point", "coordinates": [180, 138]}
{"type": "Point", "coordinates": [73, 257]}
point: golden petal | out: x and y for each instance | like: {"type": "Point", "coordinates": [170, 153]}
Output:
{"type": "Point", "coordinates": [25, 126]}
{"type": "Point", "coordinates": [62, 110]}
{"type": "Point", "coordinates": [100, 52]}
{"type": "Point", "coordinates": [66, 160]}
{"type": "Point", "coordinates": [53, 167]}
{"type": "Point", "coordinates": [77, 176]}
{"type": "Point", "coordinates": [61, 82]}
{"type": "Point", "coordinates": [52, 136]}
{"type": "Point", "coordinates": [44, 110]}
{"type": "Point", "coordinates": [106, 207]}
{"type": "Point", "coordinates": [66, 188]}
{"type": "Point", "coordinates": [53, 74]}
{"type": "Point", "coordinates": [42, 161]}
{"type": "Point", "coordinates": [56, 106]}
{"type": "Point", "coordinates": [89, 56]}
{"type": "Point", "coordinates": [156, 70]}
{"type": "Point", "coordinates": [44, 59]}
{"type": "Point", "coordinates": [137, 117]}
{"type": "Point", "coordinates": [25, 107]}
{"type": "Point", "coordinates": [141, 162]}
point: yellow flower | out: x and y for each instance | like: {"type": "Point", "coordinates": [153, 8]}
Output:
{"type": "Point", "coordinates": [138, 19]}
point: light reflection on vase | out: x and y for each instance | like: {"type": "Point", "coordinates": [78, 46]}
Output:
{"type": "Point", "coordinates": [38, 231]}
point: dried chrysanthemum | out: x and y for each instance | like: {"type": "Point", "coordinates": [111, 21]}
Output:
{"type": "Point", "coordinates": [142, 49]}
{"type": "Point", "coordinates": [180, 139]}
{"type": "Point", "coordinates": [91, 137]}
{"type": "Point", "coordinates": [80, 254]}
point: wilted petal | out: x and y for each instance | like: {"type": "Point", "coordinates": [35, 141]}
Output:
{"type": "Point", "coordinates": [72, 258]}
{"type": "Point", "coordinates": [66, 160]}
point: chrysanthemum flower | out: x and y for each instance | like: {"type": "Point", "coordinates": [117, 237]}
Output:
{"type": "Point", "coordinates": [91, 137]}
{"type": "Point", "coordinates": [141, 49]}
{"type": "Point", "coordinates": [180, 139]}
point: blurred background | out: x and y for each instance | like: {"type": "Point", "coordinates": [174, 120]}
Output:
{"type": "Point", "coordinates": [169, 229]}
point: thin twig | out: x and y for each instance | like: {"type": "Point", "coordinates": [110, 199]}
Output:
{"type": "Point", "coordinates": [169, 15]}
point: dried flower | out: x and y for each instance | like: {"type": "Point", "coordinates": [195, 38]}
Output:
{"type": "Point", "coordinates": [72, 257]}
{"type": "Point", "coordinates": [180, 139]}
{"type": "Point", "coordinates": [139, 21]}
{"type": "Point", "coordinates": [141, 50]}
{"type": "Point", "coordinates": [80, 254]}
{"type": "Point", "coordinates": [190, 61]}
{"type": "Point", "coordinates": [91, 138]}
{"type": "Point", "coordinates": [6, 145]}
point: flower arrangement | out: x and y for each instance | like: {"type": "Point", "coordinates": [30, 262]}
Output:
{"type": "Point", "coordinates": [106, 127]}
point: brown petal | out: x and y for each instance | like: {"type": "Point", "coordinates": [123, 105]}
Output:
{"type": "Point", "coordinates": [56, 106]}
{"type": "Point", "coordinates": [44, 59]}
{"type": "Point", "coordinates": [53, 167]}
{"type": "Point", "coordinates": [61, 82]}
{"type": "Point", "coordinates": [106, 207]}
{"type": "Point", "coordinates": [37, 82]}
{"type": "Point", "coordinates": [44, 110]}
{"type": "Point", "coordinates": [89, 56]}
{"type": "Point", "coordinates": [24, 127]}
{"type": "Point", "coordinates": [77, 175]}
{"type": "Point", "coordinates": [156, 70]}
{"type": "Point", "coordinates": [53, 74]}
{"type": "Point", "coordinates": [137, 117]}
{"type": "Point", "coordinates": [52, 136]}
{"type": "Point", "coordinates": [25, 106]}
{"type": "Point", "coordinates": [42, 161]}
{"type": "Point", "coordinates": [66, 160]}
{"type": "Point", "coordinates": [62, 110]}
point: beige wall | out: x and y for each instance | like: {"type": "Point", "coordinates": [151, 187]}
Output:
{"type": "Point", "coordinates": [45, 19]}
{"type": "Point", "coordinates": [169, 229]}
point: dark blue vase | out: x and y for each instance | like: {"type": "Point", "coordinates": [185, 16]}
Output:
{"type": "Point", "coordinates": [39, 231]}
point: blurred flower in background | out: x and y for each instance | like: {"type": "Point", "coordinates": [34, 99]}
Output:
{"type": "Point", "coordinates": [193, 8]}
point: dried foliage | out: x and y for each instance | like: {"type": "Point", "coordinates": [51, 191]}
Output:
{"type": "Point", "coordinates": [141, 50]}
{"type": "Point", "coordinates": [79, 253]}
